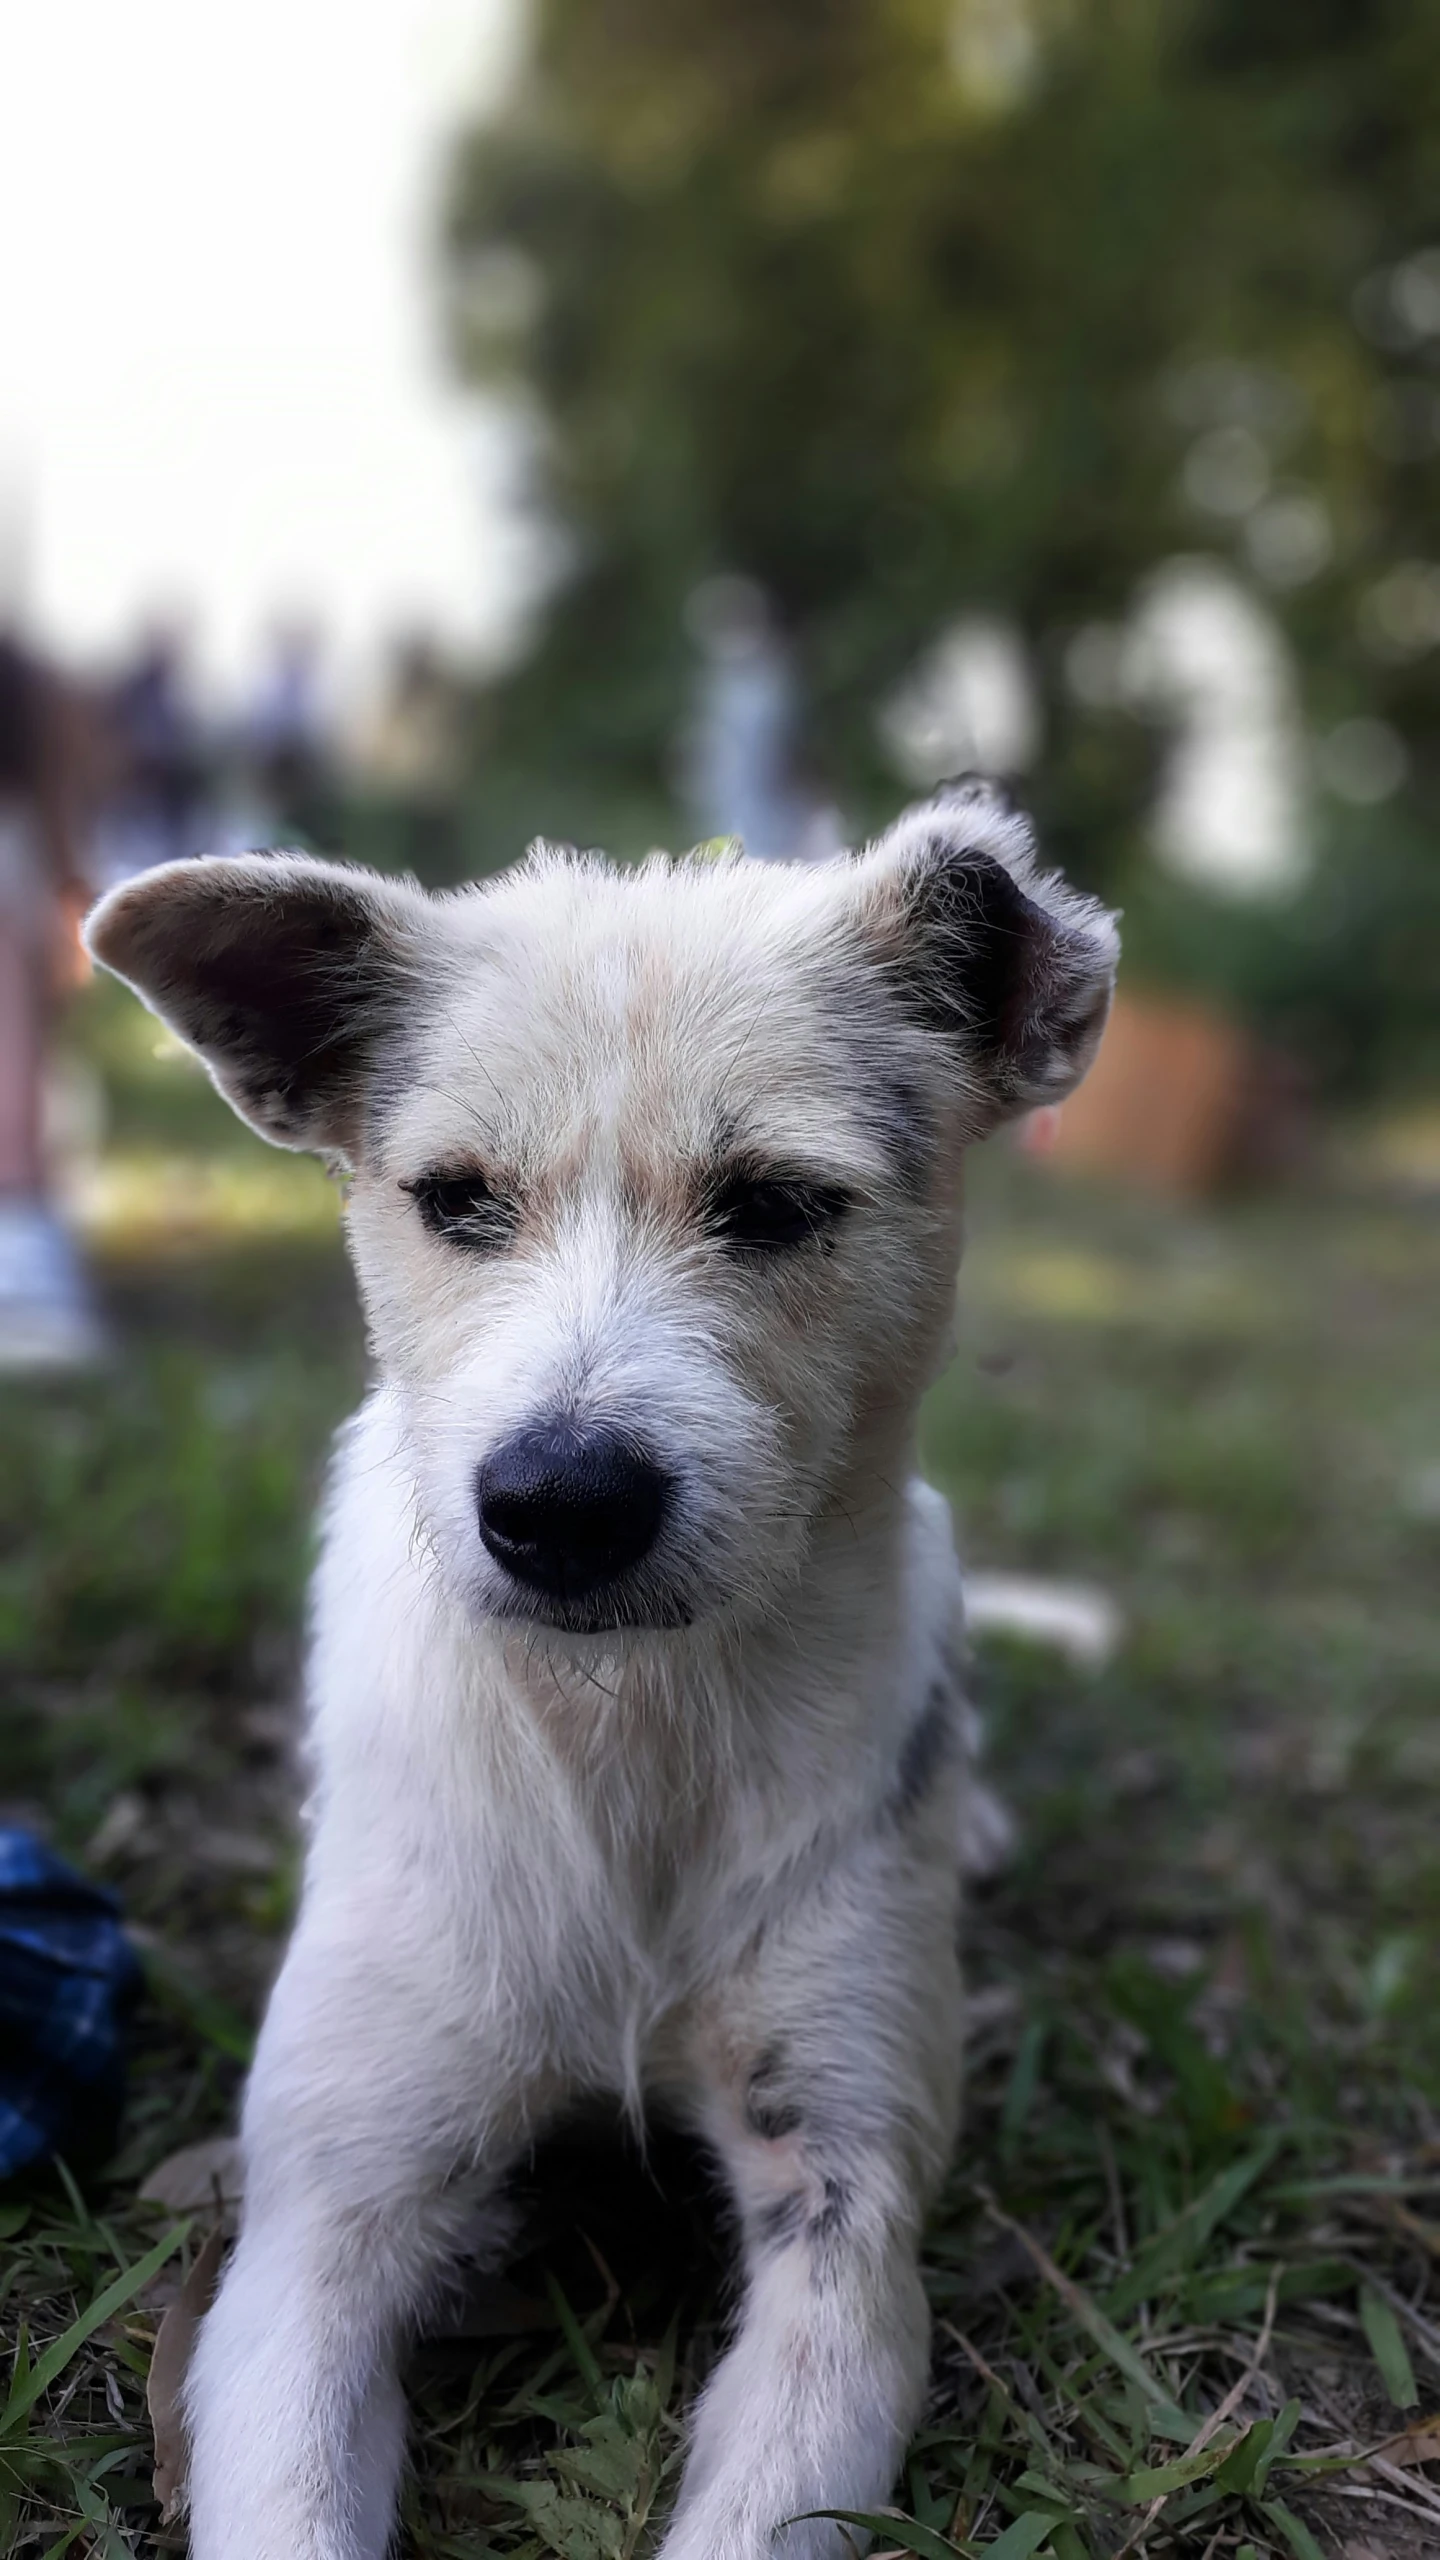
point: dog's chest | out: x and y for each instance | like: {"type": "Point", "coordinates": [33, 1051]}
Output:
{"type": "Point", "coordinates": [625, 1846]}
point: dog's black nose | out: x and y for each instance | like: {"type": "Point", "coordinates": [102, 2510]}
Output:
{"type": "Point", "coordinates": [567, 1509]}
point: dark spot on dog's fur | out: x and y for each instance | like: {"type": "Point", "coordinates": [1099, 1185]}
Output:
{"type": "Point", "coordinates": [924, 1751]}
{"type": "Point", "coordinates": [772, 2123]}
{"type": "Point", "coordinates": [899, 1116]}
{"type": "Point", "coordinates": [829, 2221]}
{"type": "Point", "coordinates": [825, 2231]}
{"type": "Point", "coordinates": [777, 2224]}
{"type": "Point", "coordinates": [786, 2220]}
{"type": "Point", "coordinates": [770, 2111]}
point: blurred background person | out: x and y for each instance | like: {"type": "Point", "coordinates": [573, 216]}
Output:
{"type": "Point", "coordinates": [160, 758]}
{"type": "Point", "coordinates": [46, 1315]}
{"type": "Point", "coordinates": [408, 749]}
{"type": "Point", "coordinates": [741, 764]}
{"type": "Point", "coordinates": [284, 738]}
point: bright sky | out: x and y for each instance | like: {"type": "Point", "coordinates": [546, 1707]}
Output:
{"type": "Point", "coordinates": [220, 380]}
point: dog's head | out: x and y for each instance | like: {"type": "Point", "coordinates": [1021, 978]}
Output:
{"type": "Point", "coordinates": [654, 1174]}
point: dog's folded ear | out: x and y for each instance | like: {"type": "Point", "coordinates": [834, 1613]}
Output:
{"type": "Point", "coordinates": [1013, 967]}
{"type": "Point", "coordinates": [284, 973]}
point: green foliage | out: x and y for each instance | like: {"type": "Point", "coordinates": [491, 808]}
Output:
{"type": "Point", "coordinates": [70, 2473]}
{"type": "Point", "coordinates": [1345, 978]}
{"type": "Point", "coordinates": [140, 1507]}
{"type": "Point", "coordinates": [911, 306]}
{"type": "Point", "coordinates": [788, 274]}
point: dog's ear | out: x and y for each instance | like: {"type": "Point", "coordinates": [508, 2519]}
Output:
{"type": "Point", "coordinates": [1014, 968]}
{"type": "Point", "coordinates": [282, 972]}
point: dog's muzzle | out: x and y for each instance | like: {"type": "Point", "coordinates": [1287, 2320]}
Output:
{"type": "Point", "coordinates": [568, 1511]}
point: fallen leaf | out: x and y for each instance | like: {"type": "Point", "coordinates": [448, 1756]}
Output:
{"type": "Point", "coordinates": [1419, 2442]}
{"type": "Point", "coordinates": [203, 2177]}
{"type": "Point", "coordinates": [169, 2364]}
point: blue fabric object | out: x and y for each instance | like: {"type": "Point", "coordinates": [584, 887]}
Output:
{"type": "Point", "coordinates": [68, 1976]}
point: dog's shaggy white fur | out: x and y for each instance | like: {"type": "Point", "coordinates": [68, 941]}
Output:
{"type": "Point", "coordinates": [640, 1765]}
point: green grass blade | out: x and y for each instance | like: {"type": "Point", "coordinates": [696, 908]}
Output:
{"type": "Point", "coordinates": [1296, 2532]}
{"type": "Point", "coordinates": [1142, 2486]}
{"type": "Point", "coordinates": [1125, 2358]}
{"type": "Point", "coordinates": [1068, 2545]}
{"type": "Point", "coordinates": [575, 2338]}
{"type": "Point", "coordinates": [1021, 2538]}
{"type": "Point", "coordinates": [1244, 2459]}
{"type": "Point", "coordinates": [1281, 2432]}
{"type": "Point", "coordinates": [1388, 2348]}
{"type": "Point", "coordinates": [1024, 2083]}
{"type": "Point", "coordinates": [28, 2388]}
{"type": "Point", "coordinates": [1128, 2360]}
{"type": "Point", "coordinates": [895, 2533]}
{"type": "Point", "coordinates": [1186, 2236]}
{"type": "Point", "coordinates": [1037, 2484]}
{"type": "Point", "coordinates": [67, 2541]}
{"type": "Point", "coordinates": [36, 2451]}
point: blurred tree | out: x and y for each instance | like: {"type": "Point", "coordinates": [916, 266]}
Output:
{"type": "Point", "coordinates": [908, 308]}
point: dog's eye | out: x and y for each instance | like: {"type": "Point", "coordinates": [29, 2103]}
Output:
{"type": "Point", "coordinates": [463, 1208]}
{"type": "Point", "coordinates": [776, 1216]}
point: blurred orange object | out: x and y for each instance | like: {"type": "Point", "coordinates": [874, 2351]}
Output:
{"type": "Point", "coordinates": [69, 960]}
{"type": "Point", "coordinates": [1166, 1104]}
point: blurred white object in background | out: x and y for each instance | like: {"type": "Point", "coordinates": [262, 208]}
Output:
{"type": "Point", "coordinates": [221, 377]}
{"type": "Point", "coordinates": [1077, 1618]}
{"type": "Point", "coordinates": [968, 707]}
{"type": "Point", "coordinates": [741, 762]}
{"type": "Point", "coordinates": [47, 1318]}
{"type": "Point", "coordinates": [1203, 654]}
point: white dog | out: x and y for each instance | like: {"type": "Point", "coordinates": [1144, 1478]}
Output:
{"type": "Point", "coordinates": [640, 1760]}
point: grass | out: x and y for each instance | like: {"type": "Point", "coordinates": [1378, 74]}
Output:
{"type": "Point", "coordinates": [1183, 2276]}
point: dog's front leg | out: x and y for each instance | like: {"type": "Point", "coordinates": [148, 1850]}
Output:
{"type": "Point", "coordinates": [832, 2114]}
{"type": "Point", "coordinates": [375, 2139]}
